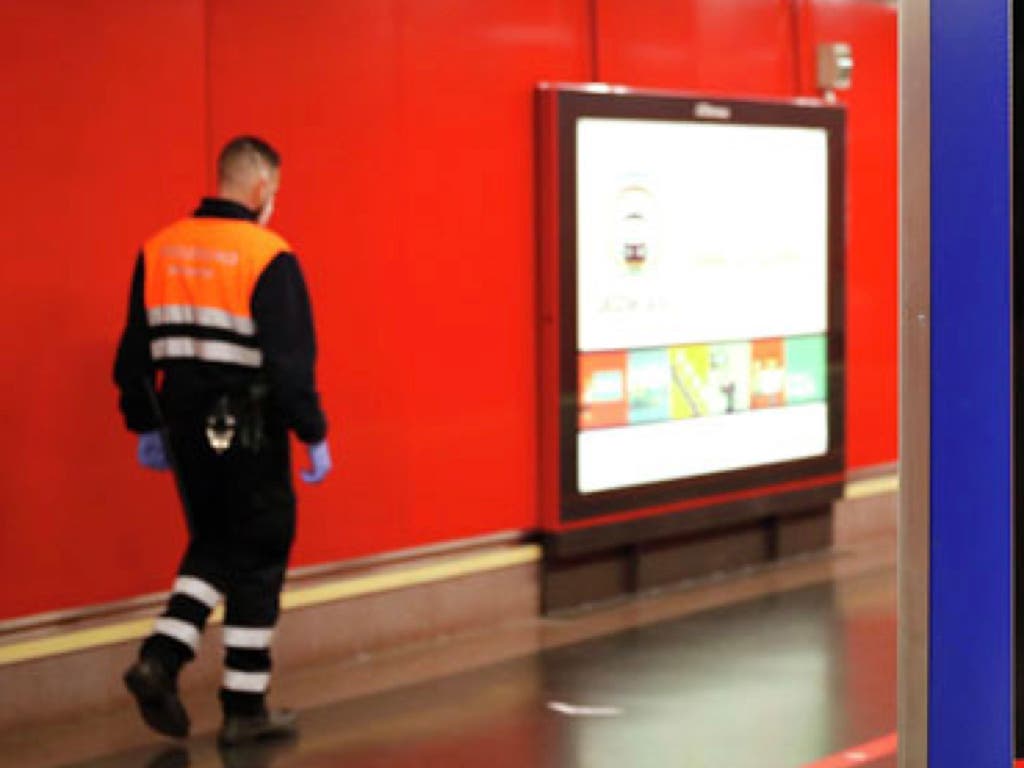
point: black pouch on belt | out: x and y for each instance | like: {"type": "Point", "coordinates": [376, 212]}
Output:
{"type": "Point", "coordinates": [252, 426]}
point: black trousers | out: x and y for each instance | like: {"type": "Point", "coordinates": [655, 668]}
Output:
{"type": "Point", "coordinates": [240, 506]}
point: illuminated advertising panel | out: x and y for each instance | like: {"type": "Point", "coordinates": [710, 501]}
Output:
{"type": "Point", "coordinates": [701, 296]}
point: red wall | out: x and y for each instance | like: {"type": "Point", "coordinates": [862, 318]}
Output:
{"type": "Point", "coordinates": [871, 273]}
{"type": "Point", "coordinates": [408, 191]}
{"type": "Point", "coordinates": [91, 162]}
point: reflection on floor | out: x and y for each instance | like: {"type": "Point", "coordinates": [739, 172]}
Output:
{"type": "Point", "coordinates": [779, 668]}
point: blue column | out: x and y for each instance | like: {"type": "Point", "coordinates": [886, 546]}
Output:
{"type": "Point", "coordinates": [970, 696]}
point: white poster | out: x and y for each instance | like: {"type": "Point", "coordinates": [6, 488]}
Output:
{"type": "Point", "coordinates": [699, 232]}
{"type": "Point", "coordinates": [702, 279]}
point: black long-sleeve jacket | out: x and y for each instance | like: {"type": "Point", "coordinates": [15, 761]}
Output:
{"type": "Point", "coordinates": [223, 304]}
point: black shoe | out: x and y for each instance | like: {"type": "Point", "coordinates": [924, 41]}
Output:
{"type": "Point", "coordinates": [173, 757]}
{"type": "Point", "coordinates": [245, 729]}
{"type": "Point", "coordinates": [157, 696]}
{"type": "Point", "coordinates": [255, 754]}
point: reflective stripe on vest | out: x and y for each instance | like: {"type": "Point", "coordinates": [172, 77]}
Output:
{"type": "Point", "coordinates": [207, 350]}
{"type": "Point", "coordinates": [207, 317]}
{"type": "Point", "coordinates": [200, 276]}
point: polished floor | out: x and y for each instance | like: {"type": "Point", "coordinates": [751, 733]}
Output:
{"type": "Point", "coordinates": [779, 669]}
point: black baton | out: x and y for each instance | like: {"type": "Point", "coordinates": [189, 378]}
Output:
{"type": "Point", "coordinates": [165, 440]}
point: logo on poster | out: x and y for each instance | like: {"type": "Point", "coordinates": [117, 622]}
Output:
{"type": "Point", "coordinates": [635, 229]}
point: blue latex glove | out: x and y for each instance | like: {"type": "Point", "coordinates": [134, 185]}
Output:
{"type": "Point", "coordinates": [320, 459]}
{"type": "Point", "coordinates": [151, 452]}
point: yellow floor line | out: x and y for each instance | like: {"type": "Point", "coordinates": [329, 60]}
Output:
{"type": "Point", "coordinates": [78, 640]}
{"type": "Point", "coordinates": [427, 574]}
{"type": "Point", "coordinates": [300, 597]}
{"type": "Point", "coordinates": [875, 486]}
{"type": "Point", "coordinates": [303, 597]}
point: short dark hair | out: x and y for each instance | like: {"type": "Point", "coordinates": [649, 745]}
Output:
{"type": "Point", "coordinates": [246, 149]}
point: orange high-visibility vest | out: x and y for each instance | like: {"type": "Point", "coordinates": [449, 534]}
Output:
{"type": "Point", "coordinates": [200, 276]}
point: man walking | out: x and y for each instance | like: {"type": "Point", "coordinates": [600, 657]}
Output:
{"type": "Point", "coordinates": [219, 309]}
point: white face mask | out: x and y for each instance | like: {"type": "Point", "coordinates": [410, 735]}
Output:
{"type": "Point", "coordinates": [266, 212]}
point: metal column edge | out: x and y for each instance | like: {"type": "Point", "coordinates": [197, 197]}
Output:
{"type": "Point", "coordinates": [915, 379]}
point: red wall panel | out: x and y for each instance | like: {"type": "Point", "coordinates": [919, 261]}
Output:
{"type": "Point", "coordinates": [408, 192]}
{"type": "Point", "coordinates": [729, 47]}
{"type": "Point", "coordinates": [102, 138]}
{"type": "Point", "coordinates": [872, 210]}
{"type": "Point", "coordinates": [407, 134]}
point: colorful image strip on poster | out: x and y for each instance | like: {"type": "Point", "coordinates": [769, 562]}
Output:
{"type": "Point", "coordinates": [710, 379]}
{"type": "Point", "coordinates": [806, 369]}
{"type": "Point", "coordinates": [649, 379]}
{"type": "Point", "coordinates": [729, 378]}
{"type": "Point", "coordinates": [768, 374]}
{"type": "Point", "coordinates": [691, 367]}
{"type": "Point", "coordinates": [603, 390]}
{"type": "Point", "coordinates": [699, 380]}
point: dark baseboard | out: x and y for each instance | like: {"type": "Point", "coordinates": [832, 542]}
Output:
{"type": "Point", "coordinates": [609, 562]}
